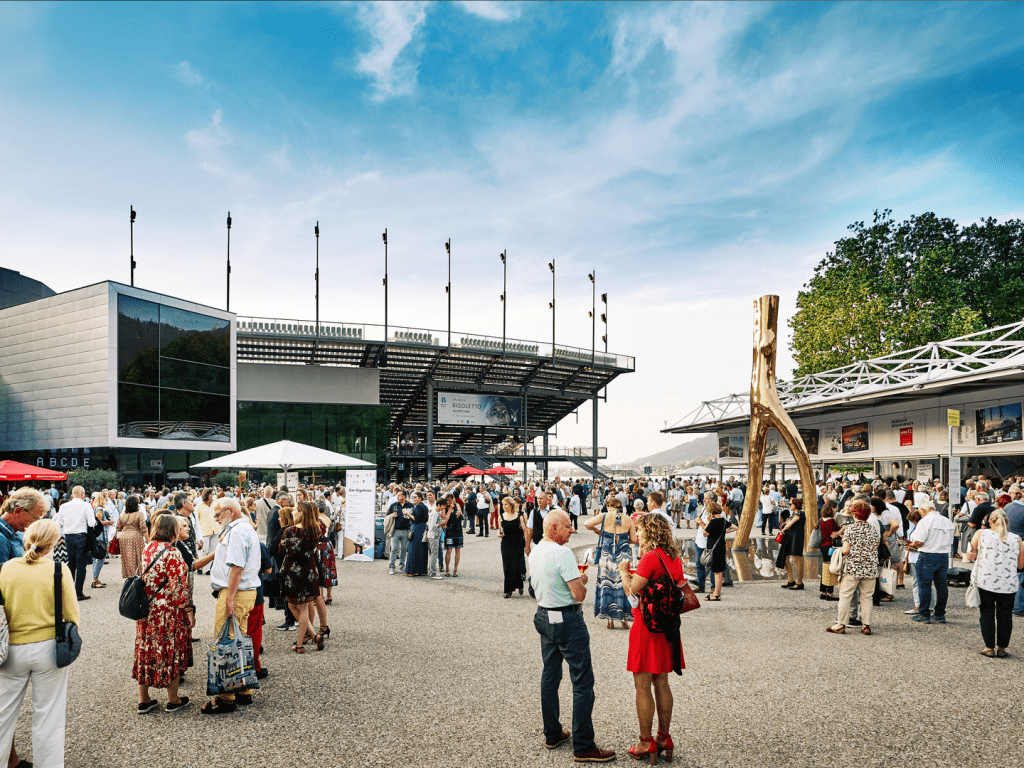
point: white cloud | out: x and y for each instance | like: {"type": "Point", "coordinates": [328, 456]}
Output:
{"type": "Point", "coordinates": [493, 10]}
{"type": "Point", "coordinates": [189, 75]}
{"type": "Point", "coordinates": [210, 138]}
{"type": "Point", "coordinates": [392, 25]}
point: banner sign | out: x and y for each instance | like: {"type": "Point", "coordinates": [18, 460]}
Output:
{"type": "Point", "coordinates": [999, 424]}
{"type": "Point", "coordinates": [954, 482]}
{"type": "Point", "coordinates": [810, 438]}
{"type": "Point", "coordinates": [855, 437]}
{"type": "Point", "coordinates": [289, 480]}
{"type": "Point", "coordinates": [479, 410]}
{"type": "Point", "coordinates": [906, 436]}
{"type": "Point", "coordinates": [360, 493]}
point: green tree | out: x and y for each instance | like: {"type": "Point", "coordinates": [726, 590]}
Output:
{"type": "Point", "coordinates": [94, 479]}
{"type": "Point", "coordinates": [225, 479]}
{"type": "Point", "coordinates": [893, 286]}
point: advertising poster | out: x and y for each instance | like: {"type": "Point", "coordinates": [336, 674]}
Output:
{"type": "Point", "coordinates": [810, 438]}
{"type": "Point", "coordinates": [289, 480]}
{"type": "Point", "coordinates": [999, 424]}
{"type": "Point", "coordinates": [832, 440]}
{"type": "Point", "coordinates": [906, 436]}
{"type": "Point", "coordinates": [772, 445]}
{"type": "Point", "coordinates": [479, 410]}
{"type": "Point", "coordinates": [855, 437]}
{"type": "Point", "coordinates": [360, 494]}
{"type": "Point", "coordinates": [723, 447]}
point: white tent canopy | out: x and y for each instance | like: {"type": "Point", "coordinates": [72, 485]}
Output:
{"type": "Point", "coordinates": [286, 456]}
{"type": "Point", "coordinates": [695, 471]}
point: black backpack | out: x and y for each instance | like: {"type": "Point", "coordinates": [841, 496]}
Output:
{"type": "Point", "coordinates": [134, 604]}
{"type": "Point", "coordinates": [661, 603]}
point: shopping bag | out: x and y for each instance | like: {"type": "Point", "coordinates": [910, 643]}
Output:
{"type": "Point", "coordinates": [230, 663]}
{"type": "Point", "coordinates": [972, 598]}
{"type": "Point", "coordinates": [887, 579]}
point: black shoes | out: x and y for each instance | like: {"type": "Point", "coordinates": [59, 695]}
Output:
{"type": "Point", "coordinates": [262, 674]}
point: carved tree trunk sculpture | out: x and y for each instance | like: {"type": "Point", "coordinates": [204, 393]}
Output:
{"type": "Point", "coordinates": [766, 411]}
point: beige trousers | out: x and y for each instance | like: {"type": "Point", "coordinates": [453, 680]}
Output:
{"type": "Point", "coordinates": [848, 586]}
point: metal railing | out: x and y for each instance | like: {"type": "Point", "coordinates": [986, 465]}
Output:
{"type": "Point", "coordinates": [333, 331]}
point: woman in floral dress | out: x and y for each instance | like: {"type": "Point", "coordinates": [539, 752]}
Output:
{"type": "Point", "coordinates": [300, 574]}
{"type": "Point", "coordinates": [131, 536]}
{"type": "Point", "coordinates": [325, 550]}
{"type": "Point", "coordinates": [616, 533]}
{"type": "Point", "coordinates": [163, 649]}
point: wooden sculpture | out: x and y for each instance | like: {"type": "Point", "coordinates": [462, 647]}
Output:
{"type": "Point", "coordinates": [766, 411]}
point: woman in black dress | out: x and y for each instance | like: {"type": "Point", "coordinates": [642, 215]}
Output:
{"type": "Point", "coordinates": [715, 530]}
{"type": "Point", "coordinates": [513, 545]}
{"type": "Point", "coordinates": [416, 563]}
{"type": "Point", "coordinates": [791, 554]}
{"type": "Point", "coordinates": [453, 538]}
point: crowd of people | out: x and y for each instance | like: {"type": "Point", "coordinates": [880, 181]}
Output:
{"type": "Point", "coordinates": [264, 549]}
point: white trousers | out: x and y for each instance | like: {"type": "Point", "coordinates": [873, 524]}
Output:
{"type": "Point", "coordinates": [35, 662]}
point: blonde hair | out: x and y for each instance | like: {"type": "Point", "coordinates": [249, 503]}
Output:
{"type": "Point", "coordinates": [510, 505]}
{"type": "Point", "coordinates": [40, 538]}
{"type": "Point", "coordinates": [284, 516]}
{"type": "Point", "coordinates": [613, 502]}
{"type": "Point", "coordinates": [657, 534]}
{"type": "Point", "coordinates": [997, 522]}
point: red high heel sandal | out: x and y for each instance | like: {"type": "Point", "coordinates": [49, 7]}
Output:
{"type": "Point", "coordinates": [652, 752]}
{"type": "Point", "coordinates": [668, 747]}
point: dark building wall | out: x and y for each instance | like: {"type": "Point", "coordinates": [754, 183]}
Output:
{"type": "Point", "coordinates": [17, 289]}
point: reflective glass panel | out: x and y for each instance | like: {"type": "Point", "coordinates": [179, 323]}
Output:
{"type": "Point", "coordinates": [195, 377]}
{"type": "Point", "coordinates": [138, 341]}
{"type": "Point", "coordinates": [138, 411]}
{"type": "Point", "coordinates": [194, 416]}
{"type": "Point", "coordinates": [190, 336]}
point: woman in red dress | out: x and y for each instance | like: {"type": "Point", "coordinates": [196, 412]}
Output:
{"type": "Point", "coordinates": [163, 645]}
{"type": "Point", "coordinates": [653, 656]}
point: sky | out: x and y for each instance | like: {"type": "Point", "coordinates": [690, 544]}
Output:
{"type": "Point", "coordinates": [695, 156]}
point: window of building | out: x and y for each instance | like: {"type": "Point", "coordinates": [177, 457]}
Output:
{"type": "Point", "coordinates": [173, 373]}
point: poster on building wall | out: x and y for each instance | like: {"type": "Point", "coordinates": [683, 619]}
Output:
{"type": "Point", "coordinates": [479, 410]}
{"type": "Point", "coordinates": [810, 438]}
{"type": "Point", "coordinates": [832, 441]}
{"type": "Point", "coordinates": [731, 447]}
{"type": "Point", "coordinates": [999, 424]}
{"type": "Point", "coordinates": [855, 437]}
{"type": "Point", "coordinates": [360, 492]}
{"type": "Point", "coordinates": [771, 445]}
{"type": "Point", "coordinates": [906, 436]}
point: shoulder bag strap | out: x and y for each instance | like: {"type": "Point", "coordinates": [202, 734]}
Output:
{"type": "Point", "coordinates": [58, 601]}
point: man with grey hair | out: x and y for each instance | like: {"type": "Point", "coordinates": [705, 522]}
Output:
{"type": "Point", "coordinates": [979, 517]}
{"type": "Point", "coordinates": [234, 577]}
{"type": "Point", "coordinates": [932, 539]}
{"type": "Point", "coordinates": [21, 508]}
{"type": "Point", "coordinates": [76, 517]}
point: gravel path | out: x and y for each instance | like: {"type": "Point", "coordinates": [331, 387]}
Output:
{"type": "Point", "coordinates": [433, 673]}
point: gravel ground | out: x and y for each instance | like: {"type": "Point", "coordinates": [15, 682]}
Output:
{"type": "Point", "coordinates": [430, 673]}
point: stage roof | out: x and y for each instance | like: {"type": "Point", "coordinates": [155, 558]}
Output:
{"type": "Point", "coordinates": [554, 387]}
{"type": "Point", "coordinates": [986, 359]}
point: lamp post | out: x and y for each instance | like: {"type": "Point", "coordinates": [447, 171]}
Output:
{"type": "Point", "coordinates": [448, 290]}
{"type": "Point", "coordinates": [228, 307]}
{"type": "Point", "coordinates": [504, 302]}
{"type": "Point", "coordinates": [604, 319]}
{"type": "Point", "coordinates": [316, 344]}
{"type": "Point", "coordinates": [384, 356]}
{"type": "Point", "coordinates": [593, 318]}
{"type": "Point", "coordinates": [131, 235]}
{"type": "Point", "coordinates": [551, 266]}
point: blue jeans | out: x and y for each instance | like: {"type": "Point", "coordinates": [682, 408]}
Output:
{"type": "Point", "coordinates": [399, 541]}
{"type": "Point", "coordinates": [932, 567]}
{"type": "Point", "coordinates": [1018, 602]}
{"type": "Point", "coordinates": [702, 573]}
{"type": "Point", "coordinates": [567, 641]}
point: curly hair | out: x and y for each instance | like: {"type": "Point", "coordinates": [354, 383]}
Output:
{"type": "Point", "coordinates": [657, 534]}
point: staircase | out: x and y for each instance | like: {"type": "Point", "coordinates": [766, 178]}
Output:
{"type": "Point", "coordinates": [587, 465]}
{"type": "Point", "coordinates": [475, 460]}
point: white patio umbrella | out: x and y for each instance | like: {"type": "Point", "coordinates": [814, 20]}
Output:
{"type": "Point", "coordinates": [286, 456]}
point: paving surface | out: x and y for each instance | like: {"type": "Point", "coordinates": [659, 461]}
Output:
{"type": "Point", "coordinates": [434, 673]}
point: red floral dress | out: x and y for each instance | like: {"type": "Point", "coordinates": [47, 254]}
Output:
{"type": "Point", "coordinates": [163, 640]}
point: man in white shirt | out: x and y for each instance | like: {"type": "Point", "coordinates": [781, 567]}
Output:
{"type": "Point", "coordinates": [932, 539]}
{"type": "Point", "coordinates": [655, 500]}
{"type": "Point", "coordinates": [76, 518]}
{"type": "Point", "coordinates": [561, 590]}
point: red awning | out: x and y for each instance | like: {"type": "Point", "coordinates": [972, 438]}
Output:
{"type": "Point", "coordinates": [501, 471]}
{"type": "Point", "coordinates": [467, 470]}
{"type": "Point", "coordinates": [13, 472]}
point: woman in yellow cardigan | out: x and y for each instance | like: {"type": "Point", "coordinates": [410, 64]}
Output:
{"type": "Point", "coordinates": [26, 584]}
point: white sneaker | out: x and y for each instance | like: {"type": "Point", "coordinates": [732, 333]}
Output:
{"type": "Point", "coordinates": [391, 572]}
{"type": "Point", "coordinates": [438, 577]}
{"type": "Point", "coordinates": [912, 612]}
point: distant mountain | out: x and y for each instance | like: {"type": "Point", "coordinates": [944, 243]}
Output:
{"type": "Point", "coordinates": [703, 449]}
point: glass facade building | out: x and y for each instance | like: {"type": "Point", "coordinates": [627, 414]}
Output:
{"type": "Point", "coordinates": [173, 373]}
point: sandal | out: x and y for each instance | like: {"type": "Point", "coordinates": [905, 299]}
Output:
{"type": "Point", "coordinates": [98, 585]}
{"type": "Point", "coordinates": [834, 631]}
{"type": "Point", "coordinates": [651, 751]}
{"type": "Point", "coordinates": [886, 599]}
{"type": "Point", "coordinates": [329, 601]}
{"type": "Point", "coordinates": [611, 624]}
{"type": "Point", "coordinates": [217, 707]}
{"type": "Point", "coordinates": [865, 630]}
{"type": "Point", "coordinates": [320, 640]}
{"type": "Point", "coordinates": [298, 649]}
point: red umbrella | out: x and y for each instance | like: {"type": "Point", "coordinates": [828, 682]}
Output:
{"type": "Point", "coordinates": [501, 471]}
{"type": "Point", "coordinates": [467, 470]}
{"type": "Point", "coordinates": [13, 471]}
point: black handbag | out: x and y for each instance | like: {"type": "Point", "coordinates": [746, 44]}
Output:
{"type": "Point", "coordinates": [134, 604]}
{"type": "Point", "coordinates": [69, 641]}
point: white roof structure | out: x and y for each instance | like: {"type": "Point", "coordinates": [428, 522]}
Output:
{"type": "Point", "coordinates": [983, 359]}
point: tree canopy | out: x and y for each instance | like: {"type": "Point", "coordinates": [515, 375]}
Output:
{"type": "Point", "coordinates": [893, 286]}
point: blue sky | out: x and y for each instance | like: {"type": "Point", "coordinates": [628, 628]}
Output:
{"type": "Point", "coordinates": [696, 156]}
